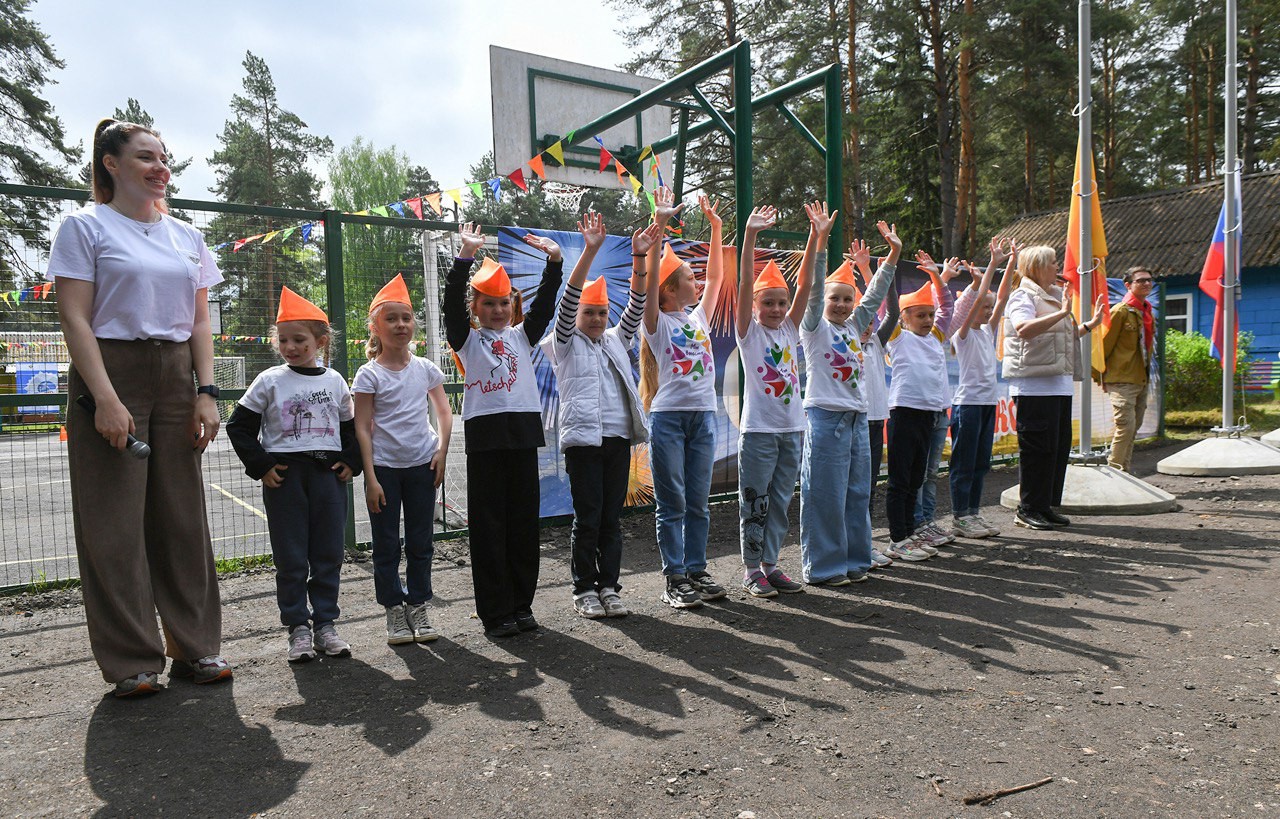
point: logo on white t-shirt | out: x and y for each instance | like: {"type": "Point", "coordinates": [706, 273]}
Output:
{"type": "Point", "coordinates": [501, 376]}
{"type": "Point", "coordinates": [311, 415]}
{"type": "Point", "coordinates": [778, 372]}
{"type": "Point", "coordinates": [690, 352]}
{"type": "Point", "coordinates": [845, 361]}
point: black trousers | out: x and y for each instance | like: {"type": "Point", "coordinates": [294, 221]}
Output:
{"type": "Point", "coordinates": [1044, 446]}
{"type": "Point", "coordinates": [875, 436]}
{"type": "Point", "coordinates": [909, 433]}
{"type": "Point", "coordinates": [598, 477]}
{"type": "Point", "coordinates": [502, 514]}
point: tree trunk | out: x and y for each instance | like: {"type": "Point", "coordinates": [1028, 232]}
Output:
{"type": "Point", "coordinates": [1108, 115]}
{"type": "Point", "coordinates": [270, 263]}
{"type": "Point", "coordinates": [1028, 141]}
{"type": "Point", "coordinates": [1211, 142]}
{"type": "Point", "coordinates": [852, 197]}
{"type": "Point", "coordinates": [1193, 124]}
{"type": "Point", "coordinates": [967, 178]}
{"type": "Point", "coordinates": [1252, 70]}
{"type": "Point", "coordinates": [931, 18]}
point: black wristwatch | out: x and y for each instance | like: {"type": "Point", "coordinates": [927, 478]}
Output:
{"type": "Point", "coordinates": [210, 390]}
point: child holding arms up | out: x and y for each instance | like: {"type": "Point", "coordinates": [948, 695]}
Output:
{"type": "Point", "coordinates": [294, 430]}
{"type": "Point", "coordinates": [600, 415]}
{"type": "Point", "coordinates": [772, 426]}
{"type": "Point", "coordinates": [875, 384]}
{"type": "Point", "coordinates": [835, 477]}
{"type": "Point", "coordinates": [678, 385]}
{"type": "Point", "coordinates": [502, 419]}
{"type": "Point", "coordinates": [404, 460]}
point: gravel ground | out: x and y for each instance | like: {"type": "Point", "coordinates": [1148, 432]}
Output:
{"type": "Point", "coordinates": [1134, 660]}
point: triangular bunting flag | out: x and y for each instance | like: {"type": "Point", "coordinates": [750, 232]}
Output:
{"type": "Point", "coordinates": [239, 243]}
{"type": "Point", "coordinates": [495, 185]}
{"type": "Point", "coordinates": [661, 184]}
{"type": "Point", "coordinates": [433, 199]}
{"type": "Point", "coordinates": [605, 156]}
{"type": "Point", "coordinates": [306, 232]}
{"type": "Point", "coordinates": [5, 296]}
{"type": "Point", "coordinates": [653, 206]}
{"type": "Point", "coordinates": [599, 141]}
{"type": "Point", "coordinates": [619, 170]}
{"type": "Point", "coordinates": [361, 213]}
{"type": "Point", "coordinates": [287, 233]}
{"type": "Point", "coordinates": [456, 195]}
{"type": "Point", "coordinates": [635, 185]}
{"type": "Point", "coordinates": [477, 189]}
{"type": "Point", "coordinates": [557, 153]}
{"type": "Point", "coordinates": [415, 205]}
{"type": "Point", "coordinates": [270, 236]}
{"type": "Point", "coordinates": [381, 210]}
{"type": "Point", "coordinates": [568, 138]}
{"type": "Point", "coordinates": [517, 179]}
{"type": "Point", "coordinates": [644, 154]}
{"type": "Point", "coordinates": [538, 168]}
{"type": "Point", "coordinates": [398, 207]}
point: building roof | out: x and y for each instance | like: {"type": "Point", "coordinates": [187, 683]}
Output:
{"type": "Point", "coordinates": [1169, 231]}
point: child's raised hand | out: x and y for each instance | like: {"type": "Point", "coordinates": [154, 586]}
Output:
{"type": "Point", "coordinates": [665, 208]}
{"type": "Point", "coordinates": [591, 226]}
{"type": "Point", "coordinates": [890, 234]}
{"type": "Point", "coordinates": [925, 262]}
{"type": "Point", "coordinates": [762, 217]}
{"type": "Point", "coordinates": [821, 221]}
{"type": "Point", "coordinates": [472, 240]}
{"type": "Point", "coordinates": [860, 254]}
{"type": "Point", "coordinates": [950, 269]}
{"type": "Point", "coordinates": [344, 472]}
{"type": "Point", "coordinates": [1001, 249]}
{"type": "Point", "coordinates": [546, 245]}
{"type": "Point", "coordinates": [710, 210]}
{"type": "Point", "coordinates": [643, 240]}
{"type": "Point", "coordinates": [274, 476]}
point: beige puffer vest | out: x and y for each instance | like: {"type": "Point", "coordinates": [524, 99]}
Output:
{"type": "Point", "coordinates": [1054, 352]}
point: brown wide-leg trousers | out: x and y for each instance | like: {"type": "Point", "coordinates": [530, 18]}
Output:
{"type": "Point", "coordinates": [142, 535]}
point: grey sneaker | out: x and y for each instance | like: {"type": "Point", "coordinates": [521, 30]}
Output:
{"type": "Point", "coordinates": [708, 588]}
{"type": "Point", "coordinates": [398, 631]}
{"type": "Point", "coordinates": [328, 641]}
{"type": "Point", "coordinates": [420, 622]}
{"type": "Point", "coordinates": [880, 560]}
{"type": "Point", "coordinates": [680, 594]}
{"type": "Point", "coordinates": [204, 670]}
{"type": "Point", "coordinates": [779, 580]}
{"type": "Point", "coordinates": [301, 648]}
{"type": "Point", "coordinates": [140, 685]}
{"type": "Point", "coordinates": [969, 526]}
{"type": "Point", "coordinates": [929, 534]}
{"type": "Point", "coordinates": [612, 602]}
{"type": "Point", "coordinates": [757, 585]}
{"type": "Point", "coordinates": [907, 550]}
{"type": "Point", "coordinates": [588, 605]}
{"type": "Point", "coordinates": [992, 529]}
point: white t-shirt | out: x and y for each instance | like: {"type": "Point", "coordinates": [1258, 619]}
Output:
{"type": "Point", "coordinates": [834, 361]}
{"type": "Point", "coordinates": [873, 381]}
{"type": "Point", "coordinates": [300, 413]}
{"type": "Point", "coordinates": [976, 353]}
{"type": "Point", "coordinates": [771, 378]}
{"type": "Point", "coordinates": [499, 373]}
{"type": "Point", "coordinates": [919, 371]}
{"type": "Point", "coordinates": [145, 275]}
{"type": "Point", "coordinates": [615, 415]}
{"type": "Point", "coordinates": [402, 433]}
{"type": "Point", "coordinates": [686, 368]}
{"type": "Point", "coordinates": [1020, 308]}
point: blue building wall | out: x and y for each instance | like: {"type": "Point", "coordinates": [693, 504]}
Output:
{"type": "Point", "coordinates": [1259, 307]}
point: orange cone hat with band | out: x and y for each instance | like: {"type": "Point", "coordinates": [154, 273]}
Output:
{"type": "Point", "coordinates": [394, 292]}
{"type": "Point", "coordinates": [843, 275]}
{"type": "Point", "coordinates": [492, 280]}
{"type": "Point", "coordinates": [670, 264]}
{"type": "Point", "coordinates": [769, 278]}
{"type": "Point", "coordinates": [295, 308]}
{"type": "Point", "coordinates": [595, 293]}
{"type": "Point", "coordinates": [921, 298]}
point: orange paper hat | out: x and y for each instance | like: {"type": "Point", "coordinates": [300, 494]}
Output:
{"type": "Point", "coordinates": [492, 280]}
{"type": "Point", "coordinates": [670, 264]}
{"type": "Point", "coordinates": [843, 275]}
{"type": "Point", "coordinates": [595, 292]}
{"type": "Point", "coordinates": [394, 292]}
{"type": "Point", "coordinates": [769, 278]}
{"type": "Point", "coordinates": [295, 308]}
{"type": "Point", "coordinates": [921, 298]}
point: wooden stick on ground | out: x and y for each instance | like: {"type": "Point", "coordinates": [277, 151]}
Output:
{"type": "Point", "coordinates": [988, 798]}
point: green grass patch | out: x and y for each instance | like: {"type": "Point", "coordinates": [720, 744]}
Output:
{"type": "Point", "coordinates": [227, 565]}
{"type": "Point", "coordinates": [1262, 416]}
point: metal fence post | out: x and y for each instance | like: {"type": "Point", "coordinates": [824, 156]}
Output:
{"type": "Point", "coordinates": [335, 286]}
{"type": "Point", "coordinates": [833, 93]}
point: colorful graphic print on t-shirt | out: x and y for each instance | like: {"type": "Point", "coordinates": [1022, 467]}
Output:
{"type": "Point", "coordinates": [845, 360]}
{"type": "Point", "coordinates": [778, 373]}
{"type": "Point", "coordinates": [498, 373]}
{"type": "Point", "coordinates": [689, 350]}
{"type": "Point", "coordinates": [309, 416]}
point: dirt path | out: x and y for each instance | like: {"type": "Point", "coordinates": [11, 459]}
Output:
{"type": "Point", "coordinates": [1135, 660]}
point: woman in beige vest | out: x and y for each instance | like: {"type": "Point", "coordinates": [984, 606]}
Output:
{"type": "Point", "coordinates": [1042, 364]}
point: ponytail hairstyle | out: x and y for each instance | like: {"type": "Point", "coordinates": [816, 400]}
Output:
{"type": "Point", "coordinates": [648, 362]}
{"type": "Point", "coordinates": [110, 137]}
{"type": "Point", "coordinates": [373, 346]}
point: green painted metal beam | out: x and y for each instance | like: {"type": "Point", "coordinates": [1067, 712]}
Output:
{"type": "Point", "coordinates": [790, 117]}
{"type": "Point", "coordinates": [715, 115]}
{"type": "Point", "coordinates": [834, 110]}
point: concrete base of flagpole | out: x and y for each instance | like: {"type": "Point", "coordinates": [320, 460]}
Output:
{"type": "Point", "coordinates": [1223, 456]}
{"type": "Point", "coordinates": [1104, 490]}
{"type": "Point", "coordinates": [1272, 438]}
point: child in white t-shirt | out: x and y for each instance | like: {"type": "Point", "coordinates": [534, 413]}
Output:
{"type": "Point", "coordinates": [678, 386]}
{"type": "Point", "coordinates": [772, 423]}
{"type": "Point", "coordinates": [294, 430]}
{"type": "Point", "coordinates": [404, 460]}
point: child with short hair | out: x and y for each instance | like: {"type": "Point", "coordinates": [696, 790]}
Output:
{"type": "Point", "coordinates": [600, 416]}
{"type": "Point", "coordinates": [404, 460]}
{"type": "Point", "coordinates": [294, 430]}
{"type": "Point", "coordinates": [502, 420]}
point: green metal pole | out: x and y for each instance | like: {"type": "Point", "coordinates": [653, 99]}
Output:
{"type": "Point", "coordinates": [681, 143]}
{"type": "Point", "coordinates": [742, 182]}
{"type": "Point", "coordinates": [335, 288]}
{"type": "Point", "coordinates": [833, 93]}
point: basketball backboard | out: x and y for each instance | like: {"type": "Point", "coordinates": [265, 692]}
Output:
{"type": "Point", "coordinates": [537, 100]}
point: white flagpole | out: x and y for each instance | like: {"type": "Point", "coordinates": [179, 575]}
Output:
{"type": "Point", "coordinates": [1085, 262]}
{"type": "Point", "coordinates": [1231, 234]}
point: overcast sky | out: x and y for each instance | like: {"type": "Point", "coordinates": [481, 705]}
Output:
{"type": "Point", "coordinates": [412, 74]}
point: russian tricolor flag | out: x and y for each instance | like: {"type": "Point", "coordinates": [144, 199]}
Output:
{"type": "Point", "coordinates": [1211, 282]}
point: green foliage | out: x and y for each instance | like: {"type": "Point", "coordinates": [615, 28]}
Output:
{"type": "Point", "coordinates": [1193, 377]}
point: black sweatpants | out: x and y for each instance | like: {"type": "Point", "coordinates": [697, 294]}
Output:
{"type": "Point", "coordinates": [1044, 447]}
{"type": "Point", "coordinates": [598, 477]}
{"type": "Point", "coordinates": [875, 435]}
{"type": "Point", "coordinates": [909, 433]}
{"type": "Point", "coordinates": [502, 514]}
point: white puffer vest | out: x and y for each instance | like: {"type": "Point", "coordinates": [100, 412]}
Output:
{"type": "Point", "coordinates": [579, 368]}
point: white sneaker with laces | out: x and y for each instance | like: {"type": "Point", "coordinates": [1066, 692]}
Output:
{"type": "Point", "coordinates": [922, 544]}
{"type": "Point", "coordinates": [398, 631]}
{"type": "Point", "coordinates": [419, 621]}
{"type": "Point", "coordinates": [969, 526]}
{"type": "Point", "coordinates": [907, 550]}
{"type": "Point", "coordinates": [612, 602]}
{"type": "Point", "coordinates": [588, 605]}
{"type": "Point", "coordinates": [880, 560]}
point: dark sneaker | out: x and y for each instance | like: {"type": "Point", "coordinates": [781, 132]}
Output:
{"type": "Point", "coordinates": [783, 583]}
{"type": "Point", "coordinates": [706, 587]}
{"type": "Point", "coordinates": [526, 622]}
{"type": "Point", "coordinates": [204, 670]}
{"type": "Point", "coordinates": [857, 577]}
{"type": "Point", "coordinates": [139, 686]}
{"type": "Point", "coordinates": [1031, 520]}
{"type": "Point", "coordinates": [1056, 519]}
{"type": "Point", "coordinates": [757, 585]}
{"type": "Point", "coordinates": [507, 628]}
{"type": "Point", "coordinates": [680, 594]}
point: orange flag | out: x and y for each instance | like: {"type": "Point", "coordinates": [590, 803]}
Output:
{"type": "Point", "coordinates": [536, 164]}
{"type": "Point", "coordinates": [1073, 259]}
{"type": "Point", "coordinates": [433, 199]}
{"type": "Point", "coordinates": [620, 171]}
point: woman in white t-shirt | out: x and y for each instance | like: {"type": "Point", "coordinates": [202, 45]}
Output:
{"type": "Point", "coordinates": [404, 460]}
{"type": "Point", "coordinates": [678, 386]}
{"type": "Point", "coordinates": [132, 286]}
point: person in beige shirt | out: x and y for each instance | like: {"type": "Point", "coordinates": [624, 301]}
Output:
{"type": "Point", "coordinates": [1127, 347]}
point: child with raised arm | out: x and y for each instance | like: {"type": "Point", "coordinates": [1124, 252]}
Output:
{"type": "Point", "coordinates": [502, 420]}
{"type": "Point", "coordinates": [835, 476]}
{"type": "Point", "coordinates": [973, 411]}
{"type": "Point", "coordinates": [600, 416]}
{"type": "Point", "coordinates": [873, 337]}
{"type": "Point", "coordinates": [772, 424]}
{"type": "Point", "coordinates": [678, 386]}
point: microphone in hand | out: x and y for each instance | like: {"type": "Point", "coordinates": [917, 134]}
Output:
{"type": "Point", "coordinates": [136, 448]}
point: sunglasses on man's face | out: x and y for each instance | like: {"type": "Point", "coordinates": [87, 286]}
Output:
{"type": "Point", "coordinates": [1143, 281]}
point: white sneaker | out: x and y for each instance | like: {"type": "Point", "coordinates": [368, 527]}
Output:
{"type": "Point", "coordinates": [420, 622]}
{"type": "Point", "coordinates": [879, 559]}
{"type": "Point", "coordinates": [907, 550]}
{"type": "Point", "coordinates": [922, 544]}
{"type": "Point", "coordinates": [969, 526]}
{"type": "Point", "coordinates": [588, 605]}
{"type": "Point", "coordinates": [612, 603]}
{"type": "Point", "coordinates": [301, 648]}
{"type": "Point", "coordinates": [992, 529]}
{"type": "Point", "coordinates": [933, 534]}
{"type": "Point", "coordinates": [398, 631]}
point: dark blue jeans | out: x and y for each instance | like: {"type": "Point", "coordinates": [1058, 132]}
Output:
{"type": "Point", "coordinates": [306, 518]}
{"type": "Point", "coordinates": [413, 489]}
{"type": "Point", "coordinates": [598, 477]}
{"type": "Point", "coordinates": [973, 427]}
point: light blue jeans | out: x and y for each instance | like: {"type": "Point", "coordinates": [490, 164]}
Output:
{"type": "Point", "coordinates": [682, 446]}
{"type": "Point", "coordinates": [768, 466]}
{"type": "Point", "coordinates": [927, 497]}
{"type": "Point", "coordinates": [835, 486]}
